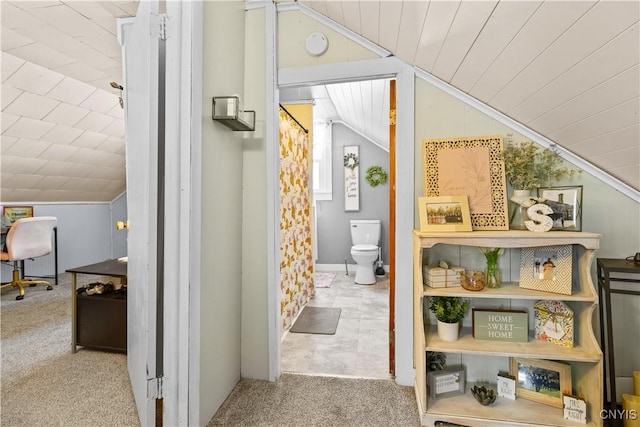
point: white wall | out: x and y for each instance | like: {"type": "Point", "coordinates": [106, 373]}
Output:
{"type": "Point", "coordinates": [255, 268]}
{"type": "Point", "coordinates": [221, 275]}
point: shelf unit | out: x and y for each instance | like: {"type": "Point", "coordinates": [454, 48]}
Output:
{"type": "Point", "coordinates": [585, 358]}
{"type": "Point", "coordinates": [227, 110]}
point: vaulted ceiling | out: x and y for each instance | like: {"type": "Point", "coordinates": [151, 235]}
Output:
{"type": "Point", "coordinates": [569, 70]}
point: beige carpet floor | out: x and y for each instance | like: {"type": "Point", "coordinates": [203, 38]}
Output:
{"type": "Point", "coordinates": [44, 384]}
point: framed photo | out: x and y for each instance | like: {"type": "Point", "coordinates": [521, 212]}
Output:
{"type": "Point", "coordinates": [447, 382]}
{"type": "Point", "coordinates": [566, 203]}
{"type": "Point", "coordinates": [547, 268]}
{"type": "Point", "coordinates": [13, 213]}
{"type": "Point", "coordinates": [542, 381]}
{"type": "Point", "coordinates": [444, 213]}
{"type": "Point", "coordinates": [471, 167]}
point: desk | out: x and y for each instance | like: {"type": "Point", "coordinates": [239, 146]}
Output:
{"type": "Point", "coordinates": [605, 267]}
{"type": "Point", "coordinates": [99, 321]}
{"type": "Point", "coordinates": [4, 232]}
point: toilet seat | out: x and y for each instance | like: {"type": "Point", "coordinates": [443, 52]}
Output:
{"type": "Point", "coordinates": [364, 248]}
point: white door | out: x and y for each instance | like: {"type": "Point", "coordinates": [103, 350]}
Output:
{"type": "Point", "coordinates": [140, 56]}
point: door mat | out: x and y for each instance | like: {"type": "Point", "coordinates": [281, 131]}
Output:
{"type": "Point", "coordinates": [323, 280]}
{"type": "Point", "coordinates": [317, 320]}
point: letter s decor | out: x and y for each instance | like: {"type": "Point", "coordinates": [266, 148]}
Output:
{"type": "Point", "coordinates": [539, 222]}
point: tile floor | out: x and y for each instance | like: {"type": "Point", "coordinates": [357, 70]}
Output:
{"type": "Point", "coordinates": [360, 346]}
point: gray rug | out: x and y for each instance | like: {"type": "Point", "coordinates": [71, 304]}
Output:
{"type": "Point", "coordinates": [317, 320]}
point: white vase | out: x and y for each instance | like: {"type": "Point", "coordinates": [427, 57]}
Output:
{"type": "Point", "coordinates": [448, 331]}
{"type": "Point", "coordinates": [520, 201]}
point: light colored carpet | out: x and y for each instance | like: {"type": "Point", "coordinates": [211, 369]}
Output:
{"type": "Point", "coordinates": [315, 401]}
{"type": "Point", "coordinates": [322, 279]}
{"type": "Point", "coordinates": [43, 383]}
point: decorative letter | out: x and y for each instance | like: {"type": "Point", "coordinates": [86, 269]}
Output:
{"type": "Point", "coordinates": [541, 222]}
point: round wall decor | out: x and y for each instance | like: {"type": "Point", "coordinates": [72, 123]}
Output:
{"type": "Point", "coordinates": [375, 176]}
{"type": "Point", "coordinates": [317, 44]}
{"type": "Point", "coordinates": [351, 161]}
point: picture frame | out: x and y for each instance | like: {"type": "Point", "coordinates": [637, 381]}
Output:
{"type": "Point", "coordinates": [11, 214]}
{"type": "Point", "coordinates": [444, 213]}
{"type": "Point", "coordinates": [547, 269]}
{"type": "Point", "coordinates": [566, 202]}
{"type": "Point", "coordinates": [351, 157]}
{"type": "Point", "coordinates": [500, 325]}
{"type": "Point", "coordinates": [506, 385]}
{"type": "Point", "coordinates": [540, 380]}
{"type": "Point", "coordinates": [473, 167]}
{"type": "Point", "coordinates": [447, 382]}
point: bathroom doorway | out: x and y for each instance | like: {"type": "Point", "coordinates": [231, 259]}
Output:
{"type": "Point", "coordinates": [360, 346]}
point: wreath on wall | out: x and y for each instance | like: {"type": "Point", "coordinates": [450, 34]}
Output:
{"type": "Point", "coordinates": [351, 161]}
{"type": "Point", "coordinates": [375, 176]}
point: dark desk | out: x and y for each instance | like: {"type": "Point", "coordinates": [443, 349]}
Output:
{"type": "Point", "coordinates": [99, 321]}
{"type": "Point", "coordinates": [606, 266]}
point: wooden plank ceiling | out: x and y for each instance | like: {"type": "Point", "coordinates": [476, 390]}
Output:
{"type": "Point", "coordinates": [568, 70]}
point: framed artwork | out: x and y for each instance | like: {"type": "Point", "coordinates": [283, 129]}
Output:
{"type": "Point", "coordinates": [351, 181]}
{"type": "Point", "coordinates": [444, 213]}
{"type": "Point", "coordinates": [566, 203]}
{"type": "Point", "coordinates": [542, 381]}
{"type": "Point", "coordinates": [13, 213]}
{"type": "Point", "coordinates": [547, 268]}
{"type": "Point", "coordinates": [471, 167]}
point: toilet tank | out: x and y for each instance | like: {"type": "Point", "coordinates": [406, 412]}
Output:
{"type": "Point", "coordinates": [365, 231]}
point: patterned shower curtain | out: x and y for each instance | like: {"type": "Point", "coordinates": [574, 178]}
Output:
{"type": "Point", "coordinates": [296, 258]}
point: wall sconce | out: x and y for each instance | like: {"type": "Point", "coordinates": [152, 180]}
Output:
{"type": "Point", "coordinates": [228, 111]}
{"type": "Point", "coordinates": [118, 86]}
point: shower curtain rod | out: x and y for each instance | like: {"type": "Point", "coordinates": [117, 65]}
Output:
{"type": "Point", "coordinates": [294, 119]}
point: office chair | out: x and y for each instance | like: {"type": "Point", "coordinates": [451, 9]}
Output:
{"type": "Point", "coordinates": [28, 238]}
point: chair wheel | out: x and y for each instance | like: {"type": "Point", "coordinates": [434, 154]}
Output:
{"type": "Point", "coordinates": [49, 287]}
{"type": "Point", "coordinates": [19, 297]}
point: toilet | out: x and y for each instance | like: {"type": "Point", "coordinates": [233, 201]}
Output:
{"type": "Point", "coordinates": [365, 237]}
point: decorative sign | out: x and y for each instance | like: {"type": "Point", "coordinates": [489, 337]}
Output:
{"type": "Point", "coordinates": [574, 408]}
{"type": "Point", "coordinates": [500, 325]}
{"type": "Point", "coordinates": [446, 382]}
{"type": "Point", "coordinates": [13, 213]}
{"type": "Point", "coordinates": [507, 386]}
{"type": "Point", "coordinates": [539, 222]}
{"type": "Point", "coordinates": [554, 322]}
{"type": "Point", "coordinates": [351, 181]}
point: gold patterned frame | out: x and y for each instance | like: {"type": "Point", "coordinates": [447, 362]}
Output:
{"type": "Point", "coordinates": [473, 167]}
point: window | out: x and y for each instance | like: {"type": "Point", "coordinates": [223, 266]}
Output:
{"type": "Point", "coordinates": [322, 189]}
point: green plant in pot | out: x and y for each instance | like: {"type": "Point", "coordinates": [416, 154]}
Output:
{"type": "Point", "coordinates": [449, 311]}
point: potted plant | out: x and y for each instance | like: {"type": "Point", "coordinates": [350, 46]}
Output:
{"type": "Point", "coordinates": [529, 166]}
{"type": "Point", "coordinates": [448, 311]}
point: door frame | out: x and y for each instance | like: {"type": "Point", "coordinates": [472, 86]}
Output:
{"type": "Point", "coordinates": [389, 67]}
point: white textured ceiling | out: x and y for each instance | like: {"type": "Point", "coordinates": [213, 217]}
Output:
{"type": "Point", "coordinates": [569, 70]}
{"type": "Point", "coordinates": [62, 126]}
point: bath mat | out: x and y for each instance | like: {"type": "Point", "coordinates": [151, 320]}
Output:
{"type": "Point", "coordinates": [323, 280]}
{"type": "Point", "coordinates": [317, 320]}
